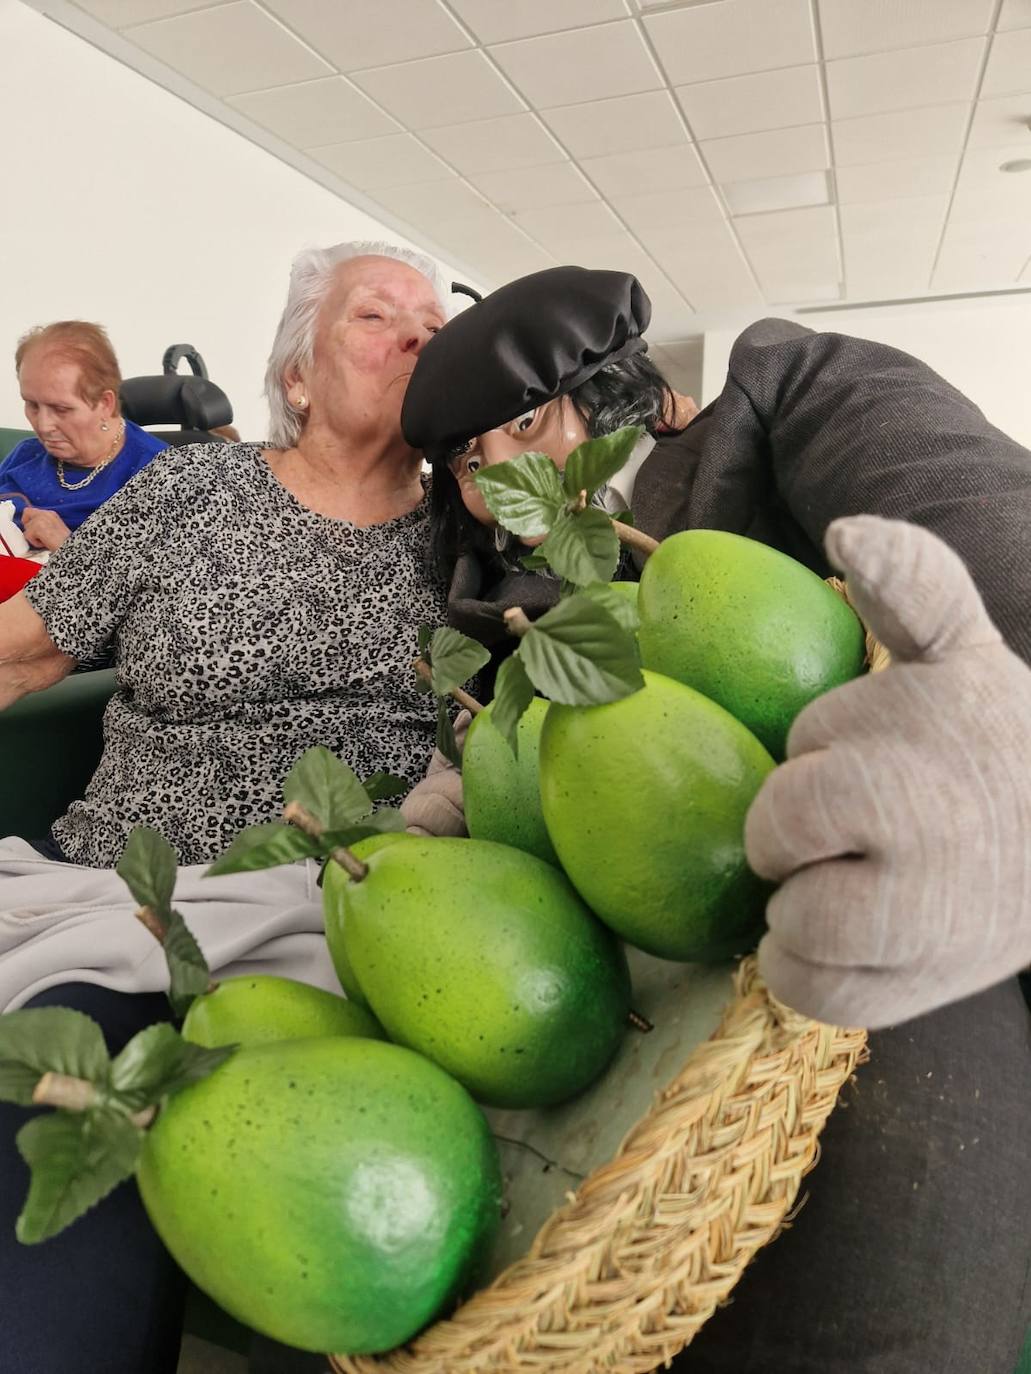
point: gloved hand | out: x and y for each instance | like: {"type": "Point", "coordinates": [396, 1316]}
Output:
{"type": "Point", "coordinates": [434, 806]}
{"type": "Point", "coordinates": [478, 609]}
{"type": "Point", "coordinates": [900, 826]}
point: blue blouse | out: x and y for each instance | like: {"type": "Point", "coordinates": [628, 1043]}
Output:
{"type": "Point", "coordinates": [29, 475]}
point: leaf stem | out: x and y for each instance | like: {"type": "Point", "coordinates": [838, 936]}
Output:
{"type": "Point", "coordinates": [470, 703]}
{"type": "Point", "coordinates": [158, 927]}
{"type": "Point", "coordinates": [635, 539]}
{"type": "Point", "coordinates": [296, 814]}
{"type": "Point", "coordinates": [517, 622]}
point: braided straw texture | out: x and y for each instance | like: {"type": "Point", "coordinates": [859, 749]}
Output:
{"type": "Point", "coordinates": [623, 1275]}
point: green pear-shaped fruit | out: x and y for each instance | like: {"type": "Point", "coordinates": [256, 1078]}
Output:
{"type": "Point", "coordinates": [334, 883]}
{"type": "Point", "coordinates": [747, 626]}
{"type": "Point", "coordinates": [500, 789]}
{"type": "Point", "coordinates": [645, 801]}
{"type": "Point", "coordinates": [333, 1194]}
{"type": "Point", "coordinates": [258, 1008]}
{"type": "Point", "coordinates": [485, 960]}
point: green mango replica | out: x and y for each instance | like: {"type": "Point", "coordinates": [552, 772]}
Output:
{"type": "Point", "coordinates": [258, 1009]}
{"type": "Point", "coordinates": [333, 1194]}
{"type": "Point", "coordinates": [747, 626]}
{"type": "Point", "coordinates": [500, 789]}
{"type": "Point", "coordinates": [334, 888]}
{"type": "Point", "coordinates": [645, 801]}
{"type": "Point", "coordinates": [484, 959]}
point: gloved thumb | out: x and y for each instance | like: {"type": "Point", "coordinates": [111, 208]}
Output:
{"type": "Point", "coordinates": [909, 587]}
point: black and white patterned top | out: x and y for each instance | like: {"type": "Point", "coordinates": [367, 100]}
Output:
{"type": "Point", "coordinates": [246, 628]}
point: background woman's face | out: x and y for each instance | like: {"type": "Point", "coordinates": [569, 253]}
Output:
{"type": "Point", "coordinates": [67, 426]}
{"type": "Point", "coordinates": [555, 428]}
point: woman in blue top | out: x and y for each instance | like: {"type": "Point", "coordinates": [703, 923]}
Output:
{"type": "Point", "coordinates": [84, 451]}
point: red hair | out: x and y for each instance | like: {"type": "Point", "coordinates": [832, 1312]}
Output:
{"type": "Point", "coordinates": [86, 346]}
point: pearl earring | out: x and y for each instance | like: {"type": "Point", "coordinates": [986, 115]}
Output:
{"type": "Point", "coordinates": [302, 402]}
{"type": "Point", "coordinates": [103, 424]}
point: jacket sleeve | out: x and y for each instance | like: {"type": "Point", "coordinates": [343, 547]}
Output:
{"type": "Point", "coordinates": [826, 425]}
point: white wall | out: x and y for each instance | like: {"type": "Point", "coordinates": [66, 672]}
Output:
{"type": "Point", "coordinates": [124, 205]}
{"type": "Point", "coordinates": [984, 350]}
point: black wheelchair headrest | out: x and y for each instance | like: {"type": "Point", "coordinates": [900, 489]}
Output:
{"type": "Point", "coordinates": [192, 402]}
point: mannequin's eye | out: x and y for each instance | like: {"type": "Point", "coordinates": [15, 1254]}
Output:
{"type": "Point", "coordinates": [473, 465]}
{"type": "Point", "coordinates": [524, 422]}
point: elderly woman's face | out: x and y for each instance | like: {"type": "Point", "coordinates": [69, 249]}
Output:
{"type": "Point", "coordinates": [65, 424]}
{"type": "Point", "coordinates": [371, 328]}
{"type": "Point", "coordinates": [554, 428]}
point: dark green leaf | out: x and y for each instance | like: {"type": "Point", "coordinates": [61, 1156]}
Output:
{"type": "Point", "coordinates": [580, 655]}
{"type": "Point", "coordinates": [446, 742]}
{"type": "Point", "coordinates": [425, 635]}
{"type": "Point", "coordinates": [75, 1159]}
{"type": "Point", "coordinates": [326, 788]}
{"type": "Point", "coordinates": [55, 1039]}
{"type": "Point", "coordinates": [147, 867]}
{"type": "Point", "coordinates": [17, 1082]}
{"type": "Point", "coordinates": [264, 846]}
{"type": "Point", "coordinates": [454, 658]}
{"type": "Point", "coordinates": [616, 603]}
{"type": "Point", "coordinates": [596, 461]}
{"type": "Point", "coordinates": [582, 548]}
{"type": "Point", "coordinates": [513, 692]}
{"type": "Point", "coordinates": [157, 1062]}
{"type": "Point", "coordinates": [188, 972]}
{"type": "Point", "coordinates": [383, 786]}
{"type": "Point", "coordinates": [524, 495]}
{"type": "Point", "coordinates": [625, 517]}
{"type": "Point", "coordinates": [386, 818]}
{"type": "Point", "coordinates": [534, 562]}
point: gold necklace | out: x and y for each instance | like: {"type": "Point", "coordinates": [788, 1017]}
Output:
{"type": "Point", "coordinates": [95, 472]}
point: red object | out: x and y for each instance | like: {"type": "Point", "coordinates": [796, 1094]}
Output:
{"type": "Point", "coordinates": [14, 573]}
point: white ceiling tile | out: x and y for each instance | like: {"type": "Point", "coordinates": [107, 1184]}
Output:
{"type": "Point", "coordinates": [373, 163]}
{"type": "Point", "coordinates": [371, 33]}
{"type": "Point", "coordinates": [1015, 14]}
{"type": "Point", "coordinates": [587, 64]}
{"type": "Point", "coordinates": [652, 169]}
{"type": "Point", "coordinates": [852, 27]}
{"type": "Point", "coordinates": [496, 22]}
{"type": "Point", "coordinates": [1002, 121]}
{"type": "Point", "coordinates": [932, 131]}
{"type": "Point", "coordinates": [620, 125]}
{"type": "Point", "coordinates": [923, 216]}
{"type": "Point", "coordinates": [981, 263]}
{"type": "Point", "coordinates": [777, 193]}
{"type": "Point", "coordinates": [560, 229]}
{"type": "Point", "coordinates": [746, 104]}
{"type": "Point", "coordinates": [556, 183]}
{"type": "Point", "coordinates": [263, 53]}
{"type": "Point", "coordinates": [440, 90]}
{"type": "Point", "coordinates": [680, 362]}
{"type": "Point", "coordinates": [792, 249]}
{"type": "Point", "coordinates": [1009, 64]}
{"type": "Point", "coordinates": [704, 42]}
{"type": "Point", "coordinates": [898, 179]}
{"type": "Point", "coordinates": [778, 152]}
{"type": "Point", "coordinates": [678, 215]}
{"type": "Point", "coordinates": [328, 110]}
{"type": "Point", "coordinates": [120, 13]}
{"type": "Point", "coordinates": [672, 318]}
{"type": "Point", "coordinates": [905, 78]}
{"type": "Point", "coordinates": [717, 279]}
{"type": "Point", "coordinates": [486, 145]}
{"type": "Point", "coordinates": [438, 204]}
{"type": "Point", "coordinates": [1026, 274]}
{"type": "Point", "coordinates": [981, 168]}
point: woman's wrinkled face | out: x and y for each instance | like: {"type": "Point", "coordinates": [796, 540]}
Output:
{"type": "Point", "coordinates": [555, 428]}
{"type": "Point", "coordinates": [371, 328]}
{"type": "Point", "coordinates": [67, 426]}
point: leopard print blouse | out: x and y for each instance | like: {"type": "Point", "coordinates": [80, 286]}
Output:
{"type": "Point", "coordinates": [245, 628]}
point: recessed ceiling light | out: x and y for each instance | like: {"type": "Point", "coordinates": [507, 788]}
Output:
{"type": "Point", "coordinates": [1016, 164]}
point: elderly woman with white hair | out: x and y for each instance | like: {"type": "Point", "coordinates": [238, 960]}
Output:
{"type": "Point", "coordinates": [258, 600]}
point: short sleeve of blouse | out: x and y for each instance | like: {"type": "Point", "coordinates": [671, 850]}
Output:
{"type": "Point", "coordinates": [84, 591]}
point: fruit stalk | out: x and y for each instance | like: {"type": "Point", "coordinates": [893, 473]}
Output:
{"type": "Point", "coordinates": [470, 703]}
{"type": "Point", "coordinates": [71, 1094]}
{"type": "Point", "coordinates": [158, 927]}
{"type": "Point", "coordinates": [635, 539]}
{"type": "Point", "coordinates": [296, 814]}
{"type": "Point", "coordinates": [517, 622]}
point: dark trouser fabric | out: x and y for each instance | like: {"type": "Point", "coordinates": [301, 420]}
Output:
{"type": "Point", "coordinates": [913, 1252]}
{"type": "Point", "coordinates": [103, 1297]}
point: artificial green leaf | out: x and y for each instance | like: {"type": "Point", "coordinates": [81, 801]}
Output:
{"type": "Point", "coordinates": [264, 846]}
{"type": "Point", "coordinates": [513, 692]}
{"type": "Point", "coordinates": [524, 495]}
{"type": "Point", "coordinates": [596, 461]}
{"type": "Point", "coordinates": [625, 517]}
{"type": "Point", "coordinates": [188, 972]}
{"type": "Point", "coordinates": [618, 605]}
{"type": "Point", "coordinates": [385, 819]}
{"type": "Point", "coordinates": [446, 742]}
{"type": "Point", "coordinates": [76, 1159]}
{"type": "Point", "coordinates": [425, 635]}
{"type": "Point", "coordinates": [454, 659]}
{"type": "Point", "coordinates": [327, 789]}
{"type": "Point", "coordinates": [580, 655]}
{"type": "Point", "coordinates": [158, 1061]}
{"type": "Point", "coordinates": [52, 1039]}
{"type": "Point", "coordinates": [383, 786]}
{"type": "Point", "coordinates": [17, 1082]}
{"type": "Point", "coordinates": [148, 867]}
{"type": "Point", "coordinates": [534, 562]}
{"type": "Point", "coordinates": [582, 548]}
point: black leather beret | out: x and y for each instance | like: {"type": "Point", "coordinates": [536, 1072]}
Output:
{"type": "Point", "coordinates": [526, 343]}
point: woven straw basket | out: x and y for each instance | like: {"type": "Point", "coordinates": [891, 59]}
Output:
{"type": "Point", "coordinates": [623, 1274]}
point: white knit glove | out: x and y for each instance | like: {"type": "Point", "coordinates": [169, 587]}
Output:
{"type": "Point", "coordinates": [434, 806]}
{"type": "Point", "coordinates": [900, 826]}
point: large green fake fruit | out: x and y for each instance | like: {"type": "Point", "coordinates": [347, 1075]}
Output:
{"type": "Point", "coordinates": [747, 626]}
{"type": "Point", "coordinates": [334, 885]}
{"type": "Point", "coordinates": [333, 1194]}
{"type": "Point", "coordinates": [485, 960]}
{"type": "Point", "coordinates": [261, 1008]}
{"type": "Point", "coordinates": [500, 789]}
{"type": "Point", "coordinates": [645, 800]}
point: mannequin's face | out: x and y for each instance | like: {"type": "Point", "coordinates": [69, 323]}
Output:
{"type": "Point", "coordinates": [554, 428]}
